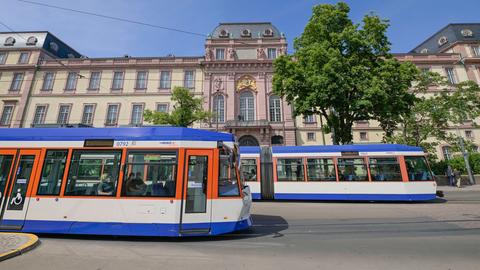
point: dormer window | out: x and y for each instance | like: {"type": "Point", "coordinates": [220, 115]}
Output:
{"type": "Point", "coordinates": [424, 50]}
{"type": "Point", "coordinates": [246, 33]}
{"type": "Point", "coordinates": [442, 41]}
{"type": "Point", "coordinates": [467, 33]}
{"type": "Point", "coordinates": [32, 40]}
{"type": "Point", "coordinates": [9, 41]}
{"type": "Point", "coordinates": [54, 46]}
{"type": "Point", "coordinates": [224, 33]}
{"type": "Point", "coordinates": [268, 32]}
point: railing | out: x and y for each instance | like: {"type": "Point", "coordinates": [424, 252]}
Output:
{"type": "Point", "coordinates": [243, 123]}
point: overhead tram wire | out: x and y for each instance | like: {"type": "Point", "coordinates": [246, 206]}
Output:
{"type": "Point", "coordinates": [122, 19]}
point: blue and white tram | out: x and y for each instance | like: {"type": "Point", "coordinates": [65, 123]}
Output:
{"type": "Point", "coordinates": [155, 181]}
{"type": "Point", "coordinates": [370, 172]}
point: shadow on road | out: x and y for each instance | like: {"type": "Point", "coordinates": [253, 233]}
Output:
{"type": "Point", "coordinates": [263, 225]}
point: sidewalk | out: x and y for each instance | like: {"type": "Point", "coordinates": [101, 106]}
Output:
{"type": "Point", "coordinates": [463, 188]}
{"type": "Point", "coordinates": [14, 244]}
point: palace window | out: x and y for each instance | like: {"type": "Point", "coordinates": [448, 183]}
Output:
{"type": "Point", "coordinates": [165, 81]}
{"type": "Point", "coordinates": [310, 136]}
{"type": "Point", "coordinates": [141, 82]}
{"type": "Point", "coordinates": [48, 80]}
{"type": "Point", "coordinates": [137, 114]}
{"type": "Point", "coordinates": [220, 54]}
{"type": "Point", "coordinates": [40, 113]}
{"type": "Point", "coordinates": [451, 75]}
{"type": "Point", "coordinates": [247, 106]}
{"type": "Point", "coordinates": [88, 114]}
{"type": "Point", "coordinates": [275, 109]}
{"type": "Point", "coordinates": [94, 83]}
{"type": "Point", "coordinates": [189, 79]}
{"type": "Point", "coordinates": [7, 114]}
{"type": "Point", "coordinates": [3, 58]}
{"type": "Point", "coordinates": [23, 59]}
{"type": "Point", "coordinates": [16, 82]}
{"type": "Point", "coordinates": [71, 81]}
{"type": "Point", "coordinates": [476, 50]}
{"type": "Point", "coordinates": [112, 114]}
{"type": "Point", "coordinates": [117, 83]}
{"type": "Point", "coordinates": [363, 136]}
{"type": "Point", "coordinates": [219, 108]}
{"type": "Point", "coordinates": [272, 53]}
{"type": "Point", "coordinates": [63, 114]}
{"type": "Point", "coordinates": [162, 107]}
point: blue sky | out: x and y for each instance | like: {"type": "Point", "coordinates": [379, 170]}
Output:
{"type": "Point", "coordinates": [412, 21]}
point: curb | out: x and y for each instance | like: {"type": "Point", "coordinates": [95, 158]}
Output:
{"type": "Point", "coordinates": [29, 245]}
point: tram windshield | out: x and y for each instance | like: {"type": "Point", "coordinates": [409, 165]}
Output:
{"type": "Point", "coordinates": [227, 176]}
{"type": "Point", "coordinates": [417, 169]}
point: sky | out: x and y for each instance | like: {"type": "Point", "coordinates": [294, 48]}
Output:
{"type": "Point", "coordinates": [411, 21]}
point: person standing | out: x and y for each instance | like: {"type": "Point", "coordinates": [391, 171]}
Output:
{"type": "Point", "coordinates": [458, 178]}
{"type": "Point", "coordinates": [450, 176]}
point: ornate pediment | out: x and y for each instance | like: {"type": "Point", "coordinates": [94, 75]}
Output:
{"type": "Point", "coordinates": [246, 82]}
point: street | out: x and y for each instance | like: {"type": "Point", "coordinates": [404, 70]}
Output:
{"type": "Point", "coordinates": [294, 235]}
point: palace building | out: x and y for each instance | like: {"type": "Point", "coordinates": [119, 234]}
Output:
{"type": "Point", "coordinates": [45, 82]}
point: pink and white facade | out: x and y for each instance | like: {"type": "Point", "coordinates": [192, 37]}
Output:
{"type": "Point", "coordinates": [238, 84]}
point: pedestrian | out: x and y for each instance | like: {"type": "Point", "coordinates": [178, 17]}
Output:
{"type": "Point", "coordinates": [458, 178]}
{"type": "Point", "coordinates": [450, 176]}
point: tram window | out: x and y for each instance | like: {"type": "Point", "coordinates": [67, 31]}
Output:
{"type": "Point", "coordinates": [150, 174]}
{"type": "Point", "coordinates": [321, 169]}
{"type": "Point", "coordinates": [52, 172]}
{"type": "Point", "coordinates": [352, 169]}
{"type": "Point", "coordinates": [248, 169]}
{"type": "Point", "coordinates": [417, 169]}
{"type": "Point", "coordinates": [227, 176]}
{"type": "Point", "coordinates": [290, 169]}
{"type": "Point", "coordinates": [385, 169]}
{"type": "Point", "coordinates": [93, 173]}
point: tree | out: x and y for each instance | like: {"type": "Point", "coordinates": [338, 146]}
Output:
{"type": "Point", "coordinates": [433, 114]}
{"type": "Point", "coordinates": [345, 73]}
{"type": "Point", "coordinates": [186, 110]}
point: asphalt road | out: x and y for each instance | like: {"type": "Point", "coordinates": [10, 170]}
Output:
{"type": "Point", "coordinates": [295, 235]}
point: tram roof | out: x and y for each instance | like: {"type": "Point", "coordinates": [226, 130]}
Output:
{"type": "Point", "coordinates": [127, 134]}
{"type": "Point", "coordinates": [346, 148]}
{"type": "Point", "coordinates": [249, 149]}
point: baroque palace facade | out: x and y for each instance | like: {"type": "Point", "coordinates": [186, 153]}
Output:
{"type": "Point", "coordinates": [45, 82]}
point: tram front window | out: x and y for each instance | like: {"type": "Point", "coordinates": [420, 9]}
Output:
{"type": "Point", "coordinates": [321, 169]}
{"type": "Point", "coordinates": [227, 176]}
{"type": "Point", "coordinates": [290, 169]}
{"type": "Point", "coordinates": [417, 169]}
{"type": "Point", "coordinates": [385, 169]}
{"type": "Point", "coordinates": [248, 169]}
{"type": "Point", "coordinates": [93, 173]}
{"type": "Point", "coordinates": [150, 174]}
{"type": "Point", "coordinates": [352, 169]}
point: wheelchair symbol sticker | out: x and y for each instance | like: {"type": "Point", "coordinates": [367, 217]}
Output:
{"type": "Point", "coordinates": [18, 198]}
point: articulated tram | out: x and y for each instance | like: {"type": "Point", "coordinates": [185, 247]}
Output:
{"type": "Point", "coordinates": [155, 181]}
{"type": "Point", "coordinates": [370, 172]}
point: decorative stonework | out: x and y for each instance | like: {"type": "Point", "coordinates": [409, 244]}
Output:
{"type": "Point", "coordinates": [261, 53]}
{"type": "Point", "coordinates": [218, 84]}
{"type": "Point", "coordinates": [232, 54]}
{"type": "Point", "coordinates": [208, 54]}
{"type": "Point", "coordinates": [442, 40]}
{"type": "Point", "coordinates": [467, 33]}
{"type": "Point", "coordinates": [246, 82]}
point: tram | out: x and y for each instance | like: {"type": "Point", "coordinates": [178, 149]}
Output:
{"type": "Point", "coordinates": [149, 181]}
{"type": "Point", "coordinates": [368, 172]}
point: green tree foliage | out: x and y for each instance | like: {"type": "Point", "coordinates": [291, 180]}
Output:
{"type": "Point", "coordinates": [344, 72]}
{"type": "Point", "coordinates": [187, 109]}
{"type": "Point", "coordinates": [459, 163]}
{"type": "Point", "coordinates": [428, 122]}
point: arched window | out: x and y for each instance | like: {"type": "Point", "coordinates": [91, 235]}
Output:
{"type": "Point", "coordinates": [277, 139]}
{"type": "Point", "coordinates": [447, 152]}
{"type": "Point", "coordinates": [219, 108]}
{"type": "Point", "coordinates": [275, 109]}
{"type": "Point", "coordinates": [247, 106]}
